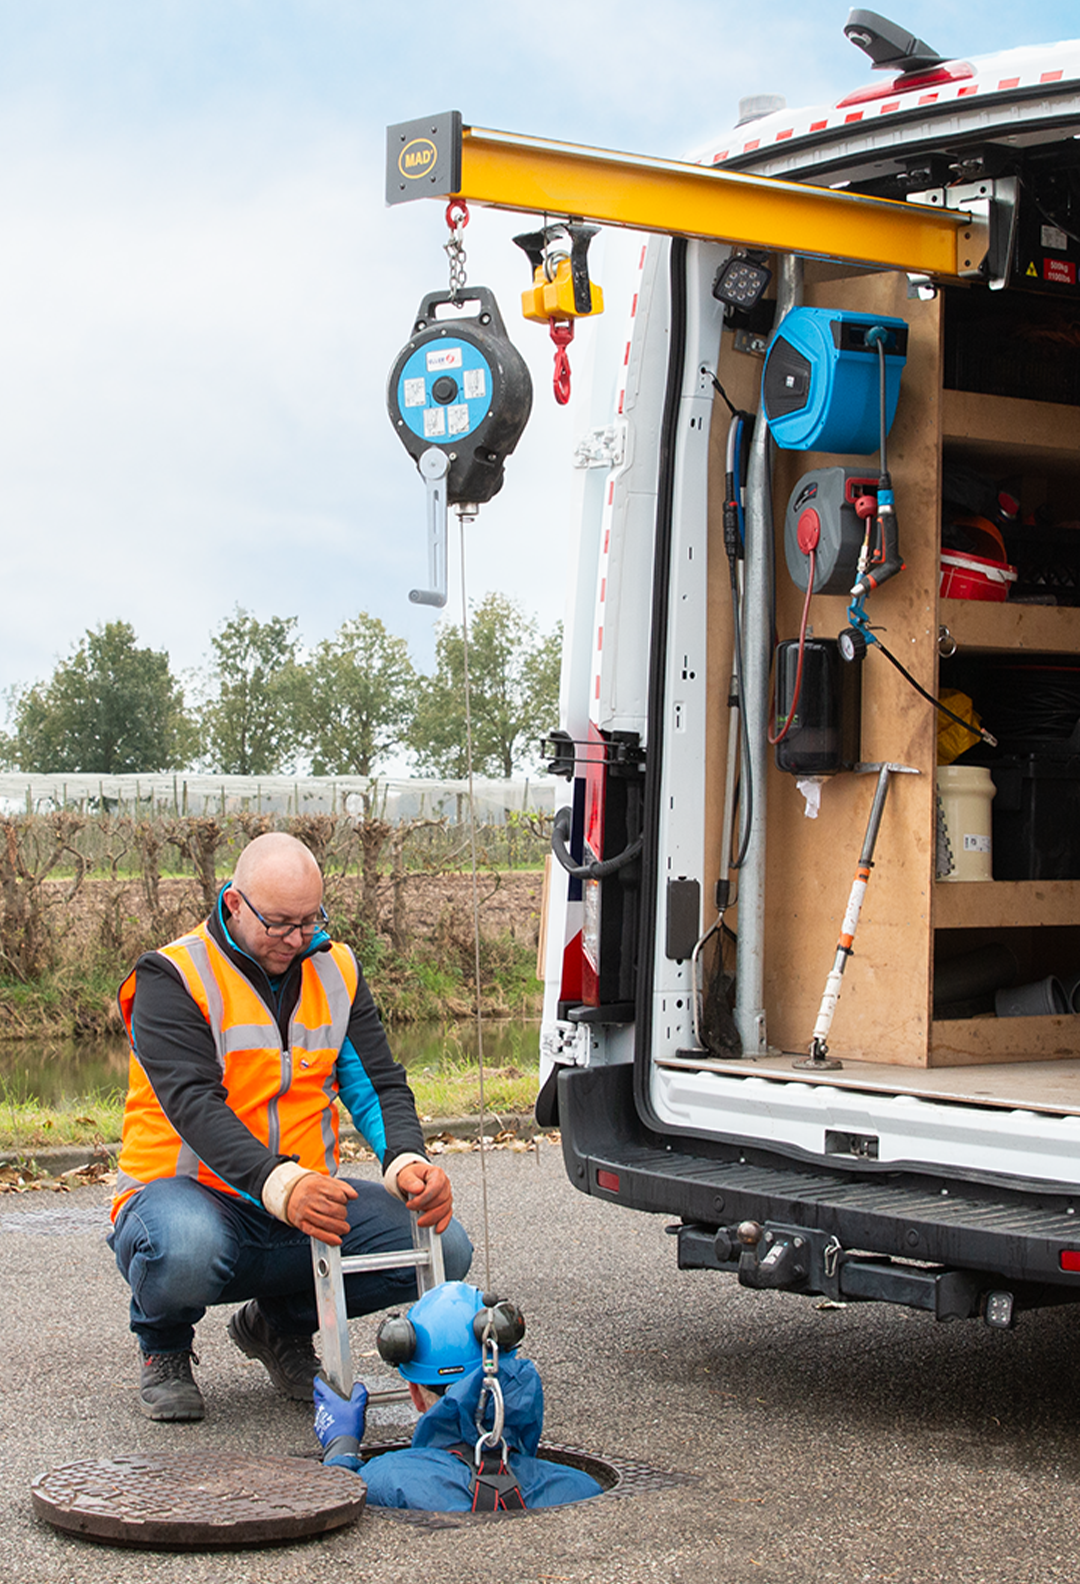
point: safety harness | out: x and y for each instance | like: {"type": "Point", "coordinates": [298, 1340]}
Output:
{"type": "Point", "coordinates": [494, 1485]}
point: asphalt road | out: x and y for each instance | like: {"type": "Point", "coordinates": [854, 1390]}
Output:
{"type": "Point", "coordinates": [814, 1443]}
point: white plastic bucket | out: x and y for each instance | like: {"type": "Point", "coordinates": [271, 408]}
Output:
{"type": "Point", "coordinates": [966, 793]}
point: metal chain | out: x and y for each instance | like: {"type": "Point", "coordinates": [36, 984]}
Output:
{"type": "Point", "coordinates": [457, 218]}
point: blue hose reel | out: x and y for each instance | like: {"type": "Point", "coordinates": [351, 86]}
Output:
{"type": "Point", "coordinates": [821, 383]}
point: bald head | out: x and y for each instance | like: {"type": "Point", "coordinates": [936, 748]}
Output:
{"type": "Point", "coordinates": [275, 857]}
{"type": "Point", "coordinates": [276, 881]}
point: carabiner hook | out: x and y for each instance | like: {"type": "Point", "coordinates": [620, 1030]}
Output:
{"type": "Point", "coordinates": [490, 1388]}
{"type": "Point", "coordinates": [562, 333]}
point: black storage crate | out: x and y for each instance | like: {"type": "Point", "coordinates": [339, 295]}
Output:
{"type": "Point", "coordinates": [1036, 814]}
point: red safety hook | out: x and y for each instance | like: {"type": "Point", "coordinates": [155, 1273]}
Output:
{"type": "Point", "coordinates": [457, 213]}
{"type": "Point", "coordinates": [562, 333]}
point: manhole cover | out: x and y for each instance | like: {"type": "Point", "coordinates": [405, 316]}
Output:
{"type": "Point", "coordinates": [197, 1499]}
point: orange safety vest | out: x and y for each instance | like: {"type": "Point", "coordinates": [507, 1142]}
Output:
{"type": "Point", "coordinates": [284, 1096]}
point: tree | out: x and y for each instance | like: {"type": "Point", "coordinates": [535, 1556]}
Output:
{"type": "Point", "coordinates": [109, 709]}
{"type": "Point", "coordinates": [248, 723]}
{"type": "Point", "coordinates": [514, 689]}
{"type": "Point", "coordinates": [359, 692]}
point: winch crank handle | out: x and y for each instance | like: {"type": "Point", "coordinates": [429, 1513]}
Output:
{"type": "Point", "coordinates": [434, 465]}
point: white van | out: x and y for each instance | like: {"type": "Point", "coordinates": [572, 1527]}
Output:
{"type": "Point", "coordinates": [881, 1104]}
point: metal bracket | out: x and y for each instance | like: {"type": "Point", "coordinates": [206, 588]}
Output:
{"type": "Point", "coordinates": [993, 205]}
{"type": "Point", "coordinates": [602, 448]}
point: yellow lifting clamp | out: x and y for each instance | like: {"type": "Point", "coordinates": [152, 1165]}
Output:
{"type": "Point", "coordinates": [561, 286]}
{"type": "Point", "coordinates": [562, 290]}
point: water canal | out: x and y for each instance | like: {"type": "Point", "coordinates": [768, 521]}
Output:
{"type": "Point", "coordinates": [56, 1071]}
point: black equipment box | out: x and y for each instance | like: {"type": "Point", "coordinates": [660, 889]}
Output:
{"type": "Point", "coordinates": [1036, 817]}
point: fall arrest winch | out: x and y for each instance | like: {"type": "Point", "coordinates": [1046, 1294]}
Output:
{"type": "Point", "coordinates": [459, 396]}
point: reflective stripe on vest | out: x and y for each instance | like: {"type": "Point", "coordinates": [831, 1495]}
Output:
{"type": "Point", "coordinates": [283, 1095]}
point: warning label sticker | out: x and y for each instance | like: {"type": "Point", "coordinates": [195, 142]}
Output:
{"type": "Point", "coordinates": [457, 419]}
{"type": "Point", "coordinates": [1063, 270]}
{"type": "Point", "coordinates": [415, 391]}
{"type": "Point", "coordinates": [475, 384]}
{"type": "Point", "coordinates": [434, 422]}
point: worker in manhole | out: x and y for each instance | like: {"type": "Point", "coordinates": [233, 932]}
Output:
{"type": "Point", "coordinates": [481, 1413]}
{"type": "Point", "coordinates": [243, 1033]}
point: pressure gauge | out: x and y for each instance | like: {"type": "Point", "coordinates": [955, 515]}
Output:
{"type": "Point", "coordinates": [852, 644]}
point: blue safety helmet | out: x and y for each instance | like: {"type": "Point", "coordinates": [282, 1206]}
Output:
{"type": "Point", "coordinates": [440, 1338]}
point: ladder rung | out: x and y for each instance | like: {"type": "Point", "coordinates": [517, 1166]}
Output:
{"type": "Point", "coordinates": [387, 1394]}
{"type": "Point", "coordinates": [374, 1262]}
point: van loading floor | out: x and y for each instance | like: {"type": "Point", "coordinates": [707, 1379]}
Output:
{"type": "Point", "coordinates": [1052, 1086]}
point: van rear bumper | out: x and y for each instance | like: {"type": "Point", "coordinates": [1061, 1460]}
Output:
{"type": "Point", "coordinates": [1016, 1232]}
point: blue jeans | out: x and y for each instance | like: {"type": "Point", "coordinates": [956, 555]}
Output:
{"type": "Point", "coordinates": [181, 1247]}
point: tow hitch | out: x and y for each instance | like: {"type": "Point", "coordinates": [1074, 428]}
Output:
{"type": "Point", "coordinates": [809, 1261]}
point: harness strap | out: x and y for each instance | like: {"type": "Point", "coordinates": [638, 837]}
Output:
{"type": "Point", "coordinates": [494, 1486]}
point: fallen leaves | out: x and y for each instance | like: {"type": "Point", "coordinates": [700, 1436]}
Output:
{"type": "Point", "coordinates": [29, 1177]}
{"type": "Point", "coordinates": [451, 1144]}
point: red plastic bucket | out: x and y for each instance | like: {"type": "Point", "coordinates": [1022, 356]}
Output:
{"type": "Point", "coordinates": [973, 577]}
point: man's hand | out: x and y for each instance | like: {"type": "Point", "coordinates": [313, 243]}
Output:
{"type": "Point", "coordinates": [427, 1191]}
{"type": "Point", "coordinates": [339, 1425]}
{"type": "Point", "coordinates": [317, 1206]}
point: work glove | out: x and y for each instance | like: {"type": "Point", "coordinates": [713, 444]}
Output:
{"type": "Point", "coordinates": [339, 1423]}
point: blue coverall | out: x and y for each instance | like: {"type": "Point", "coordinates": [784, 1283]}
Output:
{"type": "Point", "coordinates": [428, 1477]}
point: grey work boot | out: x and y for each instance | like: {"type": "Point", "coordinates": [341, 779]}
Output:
{"type": "Point", "coordinates": [291, 1361]}
{"type": "Point", "coordinates": [167, 1388]}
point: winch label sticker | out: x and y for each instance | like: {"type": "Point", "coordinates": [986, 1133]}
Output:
{"type": "Point", "coordinates": [1062, 270]}
{"type": "Point", "coordinates": [432, 402]}
{"type": "Point", "coordinates": [443, 358]}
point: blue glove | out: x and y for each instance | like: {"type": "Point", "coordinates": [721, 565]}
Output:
{"type": "Point", "coordinates": [339, 1425]}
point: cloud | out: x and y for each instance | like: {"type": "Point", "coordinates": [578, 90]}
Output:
{"type": "Point", "coordinates": [201, 291]}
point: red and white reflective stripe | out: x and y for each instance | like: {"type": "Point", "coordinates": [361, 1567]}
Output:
{"type": "Point", "coordinates": [606, 519]}
{"type": "Point", "coordinates": [945, 89]}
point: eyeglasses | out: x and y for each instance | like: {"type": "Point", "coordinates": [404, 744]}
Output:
{"type": "Point", "coordinates": [278, 931]}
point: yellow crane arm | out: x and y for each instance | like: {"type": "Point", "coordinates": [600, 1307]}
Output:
{"type": "Point", "coordinates": [538, 176]}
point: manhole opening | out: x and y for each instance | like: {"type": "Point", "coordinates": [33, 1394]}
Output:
{"type": "Point", "coordinates": [615, 1476]}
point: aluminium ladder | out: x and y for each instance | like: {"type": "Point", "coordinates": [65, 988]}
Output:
{"type": "Point", "coordinates": [331, 1268]}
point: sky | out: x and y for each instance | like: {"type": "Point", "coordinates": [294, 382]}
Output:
{"type": "Point", "coordinates": [202, 291]}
